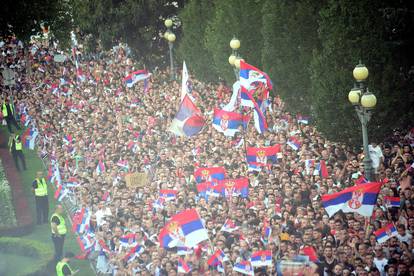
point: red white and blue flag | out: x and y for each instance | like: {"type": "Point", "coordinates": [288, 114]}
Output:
{"type": "Point", "coordinates": [189, 120]}
{"type": "Point", "coordinates": [182, 266]}
{"type": "Point", "coordinates": [294, 143]}
{"type": "Point", "coordinates": [61, 192]}
{"type": "Point", "coordinates": [184, 228]}
{"type": "Point", "coordinates": [228, 122]}
{"type": "Point", "coordinates": [321, 169]}
{"type": "Point", "coordinates": [302, 119]}
{"type": "Point", "coordinates": [234, 187]}
{"type": "Point", "coordinates": [359, 199]}
{"type": "Point", "coordinates": [184, 250]}
{"type": "Point", "coordinates": [261, 157]}
{"type": "Point", "coordinates": [261, 258]}
{"type": "Point", "coordinates": [81, 221]}
{"type": "Point", "coordinates": [135, 77]}
{"type": "Point", "coordinates": [217, 258]}
{"type": "Point", "coordinates": [361, 180]}
{"type": "Point", "coordinates": [267, 231]}
{"type": "Point", "coordinates": [134, 252]}
{"type": "Point", "coordinates": [100, 168]}
{"type": "Point", "coordinates": [392, 201]}
{"type": "Point", "coordinates": [244, 267]}
{"type": "Point", "coordinates": [127, 240]}
{"type": "Point", "coordinates": [209, 174]}
{"type": "Point", "coordinates": [229, 226]}
{"type": "Point", "coordinates": [168, 194]}
{"type": "Point", "coordinates": [385, 233]}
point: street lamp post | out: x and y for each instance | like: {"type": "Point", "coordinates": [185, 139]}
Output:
{"type": "Point", "coordinates": [364, 102]}
{"type": "Point", "coordinates": [235, 45]}
{"type": "Point", "coordinates": [170, 37]}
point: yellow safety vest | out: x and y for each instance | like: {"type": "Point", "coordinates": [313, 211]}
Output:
{"type": "Point", "coordinates": [59, 268]}
{"type": "Point", "coordinates": [18, 145]}
{"type": "Point", "coordinates": [4, 110]}
{"type": "Point", "coordinates": [62, 225]}
{"type": "Point", "coordinates": [41, 189]}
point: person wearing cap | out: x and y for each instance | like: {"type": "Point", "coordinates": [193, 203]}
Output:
{"type": "Point", "coordinates": [7, 110]}
{"type": "Point", "coordinates": [16, 149]}
{"type": "Point", "coordinates": [58, 228]}
{"type": "Point", "coordinates": [39, 187]}
{"type": "Point", "coordinates": [63, 268]}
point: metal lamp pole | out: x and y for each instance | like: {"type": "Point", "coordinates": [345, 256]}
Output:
{"type": "Point", "coordinates": [364, 102]}
{"type": "Point", "coordinates": [234, 45]}
{"type": "Point", "coordinates": [170, 37]}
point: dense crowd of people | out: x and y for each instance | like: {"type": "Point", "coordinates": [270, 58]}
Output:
{"type": "Point", "coordinates": [96, 118]}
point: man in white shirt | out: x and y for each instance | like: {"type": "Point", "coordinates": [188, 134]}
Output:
{"type": "Point", "coordinates": [403, 235]}
{"type": "Point", "coordinates": [376, 155]}
{"type": "Point", "coordinates": [101, 213]}
{"type": "Point", "coordinates": [379, 260]}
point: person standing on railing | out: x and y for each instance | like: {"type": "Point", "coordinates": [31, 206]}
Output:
{"type": "Point", "coordinates": [16, 149]}
{"type": "Point", "coordinates": [39, 186]}
{"type": "Point", "coordinates": [58, 226]}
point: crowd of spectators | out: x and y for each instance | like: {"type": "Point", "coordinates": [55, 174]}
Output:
{"type": "Point", "coordinates": [109, 122]}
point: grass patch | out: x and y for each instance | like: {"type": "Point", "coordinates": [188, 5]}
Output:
{"type": "Point", "coordinates": [41, 233]}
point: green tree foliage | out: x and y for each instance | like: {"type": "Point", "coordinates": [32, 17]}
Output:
{"type": "Point", "coordinates": [138, 23]}
{"type": "Point", "coordinates": [195, 17]}
{"type": "Point", "coordinates": [23, 18]}
{"type": "Point", "coordinates": [242, 18]}
{"type": "Point", "coordinates": [289, 38]}
{"type": "Point", "coordinates": [350, 31]}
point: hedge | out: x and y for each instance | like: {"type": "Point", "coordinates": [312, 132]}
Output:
{"type": "Point", "coordinates": [30, 248]}
{"type": "Point", "coordinates": [7, 214]}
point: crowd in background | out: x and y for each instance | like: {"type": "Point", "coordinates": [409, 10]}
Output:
{"type": "Point", "coordinates": [109, 122]}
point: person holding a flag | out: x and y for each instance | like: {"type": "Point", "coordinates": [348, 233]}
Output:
{"type": "Point", "coordinates": [39, 188]}
{"type": "Point", "coordinates": [63, 268]}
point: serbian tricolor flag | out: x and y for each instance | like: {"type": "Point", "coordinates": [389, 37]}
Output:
{"type": "Point", "coordinates": [67, 139]}
{"type": "Point", "coordinates": [182, 266]}
{"type": "Point", "coordinates": [228, 122]}
{"type": "Point", "coordinates": [392, 201]}
{"type": "Point", "coordinates": [302, 119]}
{"type": "Point", "coordinates": [60, 192]}
{"type": "Point", "coordinates": [127, 240]}
{"type": "Point", "coordinates": [217, 258]}
{"type": "Point", "coordinates": [254, 92]}
{"type": "Point", "coordinates": [261, 157]}
{"type": "Point", "coordinates": [203, 188]}
{"type": "Point", "coordinates": [385, 233]}
{"type": "Point", "coordinates": [168, 194]}
{"type": "Point", "coordinates": [184, 228]}
{"type": "Point", "coordinates": [294, 143]}
{"type": "Point", "coordinates": [261, 258]}
{"type": "Point", "coordinates": [359, 199]}
{"type": "Point", "coordinates": [81, 221]}
{"type": "Point", "coordinates": [229, 226]}
{"type": "Point", "coordinates": [244, 267]}
{"type": "Point", "coordinates": [100, 168]}
{"type": "Point", "coordinates": [86, 243]}
{"type": "Point", "coordinates": [134, 252]}
{"type": "Point", "coordinates": [209, 174]}
{"type": "Point", "coordinates": [322, 169]}
{"type": "Point", "coordinates": [189, 120]}
{"type": "Point", "coordinates": [234, 187]}
{"type": "Point", "coordinates": [267, 231]}
{"type": "Point", "coordinates": [135, 77]}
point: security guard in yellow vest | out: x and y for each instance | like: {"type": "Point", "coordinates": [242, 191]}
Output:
{"type": "Point", "coordinates": [7, 110]}
{"type": "Point", "coordinates": [63, 268]}
{"type": "Point", "coordinates": [39, 187]}
{"type": "Point", "coordinates": [58, 226]}
{"type": "Point", "coordinates": [16, 149]}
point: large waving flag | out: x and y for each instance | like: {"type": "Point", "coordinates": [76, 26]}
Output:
{"type": "Point", "coordinates": [385, 233]}
{"type": "Point", "coordinates": [188, 121]}
{"type": "Point", "coordinates": [135, 77]}
{"type": "Point", "coordinates": [261, 157]}
{"type": "Point", "coordinates": [359, 199]}
{"type": "Point", "coordinates": [185, 82]}
{"type": "Point", "coordinates": [235, 187]}
{"type": "Point", "coordinates": [184, 228]}
{"type": "Point", "coordinates": [231, 106]}
{"type": "Point", "coordinates": [228, 122]}
{"type": "Point", "coordinates": [209, 174]}
{"type": "Point", "coordinates": [254, 92]}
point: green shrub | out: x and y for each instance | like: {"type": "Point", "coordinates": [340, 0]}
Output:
{"type": "Point", "coordinates": [29, 248]}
